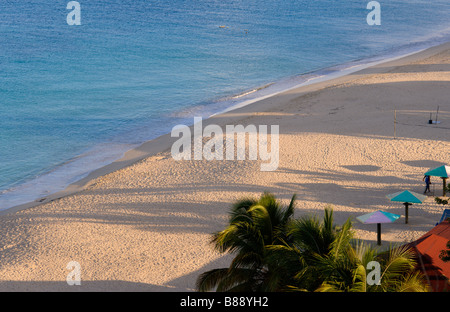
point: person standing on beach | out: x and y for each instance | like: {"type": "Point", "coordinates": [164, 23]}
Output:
{"type": "Point", "coordinates": [427, 182]}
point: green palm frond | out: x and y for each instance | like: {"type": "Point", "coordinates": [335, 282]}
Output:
{"type": "Point", "coordinates": [342, 239]}
{"type": "Point", "coordinates": [239, 279]}
{"type": "Point", "coordinates": [328, 227]}
{"type": "Point", "coordinates": [262, 220]}
{"type": "Point", "coordinates": [414, 282]}
{"type": "Point", "coordinates": [328, 287]}
{"type": "Point", "coordinates": [209, 280]}
{"type": "Point", "coordinates": [289, 212]}
{"type": "Point", "coordinates": [359, 279]}
{"type": "Point", "coordinates": [364, 252]}
{"type": "Point", "coordinates": [283, 255]}
{"type": "Point", "coordinates": [306, 234]}
{"type": "Point", "coordinates": [399, 261]}
{"type": "Point", "coordinates": [251, 260]}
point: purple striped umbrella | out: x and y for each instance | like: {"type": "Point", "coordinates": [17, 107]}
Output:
{"type": "Point", "coordinates": [378, 217]}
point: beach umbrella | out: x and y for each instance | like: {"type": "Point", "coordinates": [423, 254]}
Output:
{"type": "Point", "coordinates": [442, 172]}
{"type": "Point", "coordinates": [378, 217]}
{"type": "Point", "coordinates": [407, 198]}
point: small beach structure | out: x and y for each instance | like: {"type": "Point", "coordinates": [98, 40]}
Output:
{"type": "Point", "coordinates": [378, 217]}
{"type": "Point", "coordinates": [442, 172]}
{"type": "Point", "coordinates": [428, 249]}
{"type": "Point", "coordinates": [407, 198]}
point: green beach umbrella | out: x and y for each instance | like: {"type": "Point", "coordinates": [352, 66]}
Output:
{"type": "Point", "coordinates": [378, 217]}
{"type": "Point", "coordinates": [442, 172]}
{"type": "Point", "coordinates": [407, 198]}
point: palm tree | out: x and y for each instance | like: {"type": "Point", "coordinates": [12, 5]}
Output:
{"type": "Point", "coordinates": [253, 225]}
{"type": "Point", "coordinates": [274, 252]}
{"type": "Point", "coordinates": [445, 254]}
{"type": "Point", "coordinates": [348, 272]}
{"type": "Point", "coordinates": [443, 201]}
{"type": "Point", "coordinates": [309, 240]}
{"type": "Point", "coordinates": [320, 256]}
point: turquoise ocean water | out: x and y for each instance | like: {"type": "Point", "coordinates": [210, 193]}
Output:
{"type": "Point", "coordinates": [75, 98]}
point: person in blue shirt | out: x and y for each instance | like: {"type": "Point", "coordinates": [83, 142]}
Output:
{"type": "Point", "coordinates": [427, 183]}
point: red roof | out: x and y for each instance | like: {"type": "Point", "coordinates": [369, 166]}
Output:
{"type": "Point", "coordinates": [428, 247]}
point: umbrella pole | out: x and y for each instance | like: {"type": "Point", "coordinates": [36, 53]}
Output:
{"type": "Point", "coordinates": [444, 186]}
{"type": "Point", "coordinates": [379, 234]}
{"type": "Point", "coordinates": [406, 212]}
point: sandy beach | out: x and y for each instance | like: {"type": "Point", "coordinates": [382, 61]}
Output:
{"type": "Point", "coordinates": [144, 222]}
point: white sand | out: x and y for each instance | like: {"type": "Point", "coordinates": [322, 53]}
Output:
{"type": "Point", "coordinates": [147, 226]}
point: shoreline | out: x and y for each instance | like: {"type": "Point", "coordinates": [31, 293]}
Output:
{"type": "Point", "coordinates": [219, 106]}
{"type": "Point", "coordinates": [164, 142]}
{"type": "Point", "coordinates": [157, 145]}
